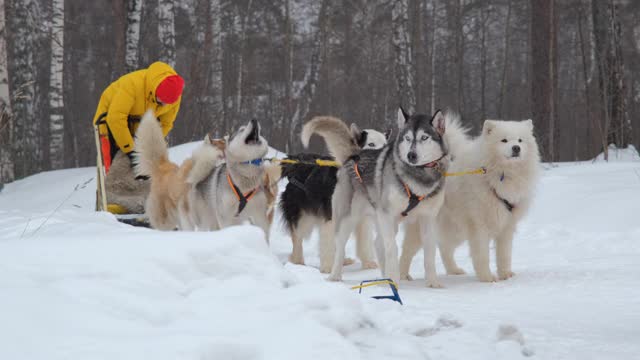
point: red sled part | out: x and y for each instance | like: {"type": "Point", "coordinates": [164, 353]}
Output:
{"type": "Point", "coordinates": [105, 149]}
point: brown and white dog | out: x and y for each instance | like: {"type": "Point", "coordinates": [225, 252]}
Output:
{"type": "Point", "coordinates": [168, 205]}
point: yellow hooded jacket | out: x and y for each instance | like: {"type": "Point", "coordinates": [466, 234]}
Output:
{"type": "Point", "coordinates": [132, 95]}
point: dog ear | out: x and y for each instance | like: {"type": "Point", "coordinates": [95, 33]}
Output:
{"type": "Point", "coordinates": [388, 133]}
{"type": "Point", "coordinates": [403, 117]}
{"type": "Point", "coordinates": [219, 143]}
{"type": "Point", "coordinates": [438, 122]}
{"type": "Point", "coordinates": [488, 126]}
{"type": "Point", "coordinates": [207, 139]}
{"type": "Point", "coordinates": [356, 134]}
{"type": "Point", "coordinates": [364, 137]}
{"type": "Point", "coordinates": [529, 124]}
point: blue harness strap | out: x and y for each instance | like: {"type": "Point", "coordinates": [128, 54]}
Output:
{"type": "Point", "coordinates": [255, 162]}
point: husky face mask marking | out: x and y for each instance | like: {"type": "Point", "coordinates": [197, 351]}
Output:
{"type": "Point", "coordinates": [511, 139]}
{"type": "Point", "coordinates": [420, 139]}
{"type": "Point", "coordinates": [247, 143]}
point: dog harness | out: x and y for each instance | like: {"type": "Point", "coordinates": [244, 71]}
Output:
{"type": "Point", "coordinates": [356, 169]}
{"type": "Point", "coordinates": [414, 199]}
{"type": "Point", "coordinates": [506, 203]}
{"type": "Point", "coordinates": [255, 162]}
{"type": "Point", "coordinates": [243, 199]}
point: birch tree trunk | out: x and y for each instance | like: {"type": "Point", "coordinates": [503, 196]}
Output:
{"type": "Point", "coordinates": [304, 96]}
{"type": "Point", "coordinates": [167, 32]}
{"type": "Point", "coordinates": [6, 158]}
{"type": "Point", "coordinates": [56, 94]}
{"type": "Point", "coordinates": [215, 34]}
{"type": "Point", "coordinates": [21, 45]}
{"type": "Point", "coordinates": [132, 38]}
{"type": "Point", "coordinates": [403, 62]}
{"type": "Point", "coordinates": [288, 82]}
{"type": "Point", "coordinates": [242, 16]}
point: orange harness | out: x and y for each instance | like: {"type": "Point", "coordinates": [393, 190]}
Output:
{"type": "Point", "coordinates": [243, 199]}
{"type": "Point", "coordinates": [355, 168]}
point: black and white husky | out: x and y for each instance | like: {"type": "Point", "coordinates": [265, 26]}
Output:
{"type": "Point", "coordinates": [306, 201]}
{"type": "Point", "coordinates": [401, 182]}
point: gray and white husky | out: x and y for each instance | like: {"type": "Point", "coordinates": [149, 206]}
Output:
{"type": "Point", "coordinates": [234, 191]}
{"type": "Point", "coordinates": [401, 182]}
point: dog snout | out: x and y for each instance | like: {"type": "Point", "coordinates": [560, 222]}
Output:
{"type": "Point", "coordinates": [516, 149]}
{"type": "Point", "coordinates": [412, 157]}
{"type": "Point", "coordinates": [255, 125]}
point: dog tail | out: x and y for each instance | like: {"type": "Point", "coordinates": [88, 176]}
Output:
{"type": "Point", "coordinates": [456, 136]}
{"type": "Point", "coordinates": [150, 146]}
{"type": "Point", "coordinates": [340, 139]}
{"type": "Point", "coordinates": [206, 157]}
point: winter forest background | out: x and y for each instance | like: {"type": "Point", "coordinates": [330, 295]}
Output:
{"type": "Point", "coordinates": [571, 65]}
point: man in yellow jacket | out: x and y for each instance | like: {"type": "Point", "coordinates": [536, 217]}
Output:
{"type": "Point", "coordinates": [119, 111]}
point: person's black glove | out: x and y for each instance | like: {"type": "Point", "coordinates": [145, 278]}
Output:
{"type": "Point", "coordinates": [133, 162]}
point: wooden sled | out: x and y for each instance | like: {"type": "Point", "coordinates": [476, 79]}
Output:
{"type": "Point", "coordinates": [101, 194]}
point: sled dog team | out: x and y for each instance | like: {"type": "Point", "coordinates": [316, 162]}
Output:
{"type": "Point", "coordinates": [419, 177]}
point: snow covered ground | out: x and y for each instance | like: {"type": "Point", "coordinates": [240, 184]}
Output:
{"type": "Point", "coordinates": [76, 284]}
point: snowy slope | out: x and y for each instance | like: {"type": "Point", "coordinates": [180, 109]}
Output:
{"type": "Point", "coordinates": [77, 284]}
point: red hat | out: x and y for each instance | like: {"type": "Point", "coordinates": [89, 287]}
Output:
{"type": "Point", "coordinates": [170, 89]}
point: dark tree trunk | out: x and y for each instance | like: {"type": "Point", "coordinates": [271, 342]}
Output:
{"type": "Point", "coordinates": [543, 69]}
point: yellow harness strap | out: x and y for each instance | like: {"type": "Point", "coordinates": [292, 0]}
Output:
{"type": "Point", "coordinates": [478, 171]}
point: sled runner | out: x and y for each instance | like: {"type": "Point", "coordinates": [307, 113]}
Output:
{"type": "Point", "coordinates": [392, 285]}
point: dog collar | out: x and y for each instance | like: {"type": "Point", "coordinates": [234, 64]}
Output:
{"type": "Point", "coordinates": [255, 162]}
{"type": "Point", "coordinates": [434, 163]}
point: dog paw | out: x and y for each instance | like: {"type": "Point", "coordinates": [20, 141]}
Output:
{"type": "Point", "coordinates": [296, 260]}
{"type": "Point", "coordinates": [334, 278]}
{"type": "Point", "coordinates": [505, 275]}
{"type": "Point", "coordinates": [348, 261]}
{"type": "Point", "coordinates": [487, 277]}
{"type": "Point", "coordinates": [407, 277]}
{"type": "Point", "coordinates": [325, 269]}
{"type": "Point", "coordinates": [370, 264]}
{"type": "Point", "coordinates": [456, 271]}
{"type": "Point", "coordinates": [434, 284]}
